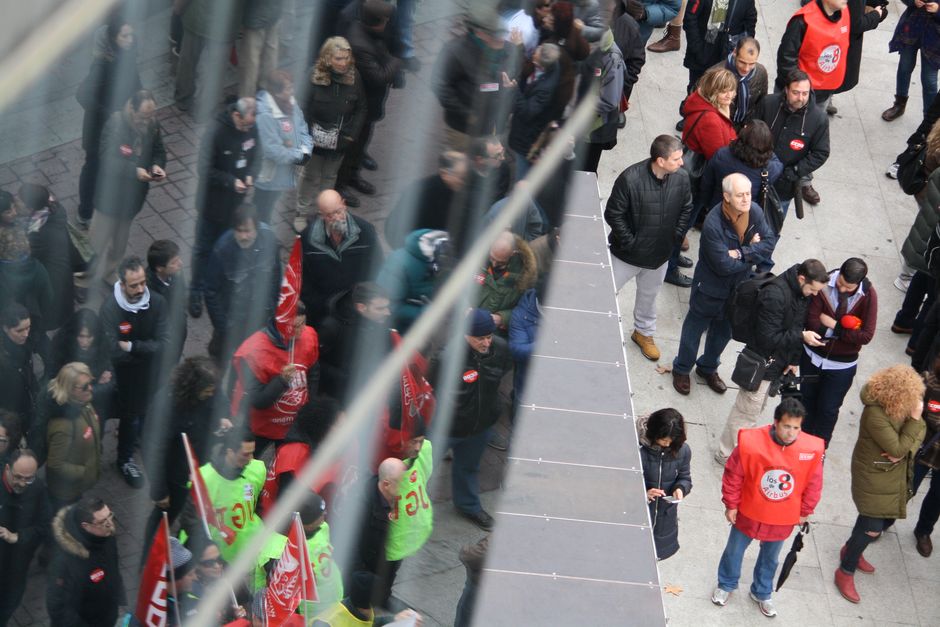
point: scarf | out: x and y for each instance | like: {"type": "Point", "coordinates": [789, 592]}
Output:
{"type": "Point", "coordinates": [744, 89]}
{"type": "Point", "coordinates": [739, 222]}
{"type": "Point", "coordinates": [142, 304]}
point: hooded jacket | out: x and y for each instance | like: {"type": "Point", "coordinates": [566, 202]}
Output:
{"type": "Point", "coordinates": [51, 246]}
{"type": "Point", "coordinates": [706, 128]}
{"type": "Point", "coordinates": [801, 138]}
{"type": "Point", "coordinates": [535, 107]}
{"type": "Point", "coordinates": [500, 291]}
{"type": "Point", "coordinates": [226, 154]}
{"type": "Point", "coordinates": [85, 585]}
{"type": "Point", "coordinates": [409, 276]}
{"type": "Point", "coordinates": [284, 141]}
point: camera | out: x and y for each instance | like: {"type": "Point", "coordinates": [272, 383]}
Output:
{"type": "Point", "coordinates": [788, 385]}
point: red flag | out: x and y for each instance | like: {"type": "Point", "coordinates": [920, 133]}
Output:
{"type": "Point", "coordinates": [151, 608]}
{"type": "Point", "coordinates": [200, 495]}
{"type": "Point", "coordinates": [290, 294]}
{"type": "Point", "coordinates": [292, 579]}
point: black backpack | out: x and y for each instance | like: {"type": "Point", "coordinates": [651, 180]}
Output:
{"type": "Point", "coordinates": [741, 308]}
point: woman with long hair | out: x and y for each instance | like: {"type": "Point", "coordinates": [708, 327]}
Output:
{"type": "Point", "coordinates": [82, 339]}
{"type": "Point", "coordinates": [889, 433]}
{"type": "Point", "coordinates": [750, 154]}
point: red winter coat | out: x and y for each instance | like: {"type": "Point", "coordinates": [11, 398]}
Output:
{"type": "Point", "coordinates": [706, 128]}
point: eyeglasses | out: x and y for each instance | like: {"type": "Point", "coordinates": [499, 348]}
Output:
{"type": "Point", "coordinates": [217, 561]}
{"type": "Point", "coordinates": [21, 479]}
{"type": "Point", "coordinates": [82, 388]}
{"type": "Point", "coordinates": [109, 521]}
{"type": "Point", "coordinates": [4, 440]}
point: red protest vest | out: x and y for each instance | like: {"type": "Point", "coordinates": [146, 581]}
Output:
{"type": "Point", "coordinates": [332, 483]}
{"type": "Point", "coordinates": [266, 361]}
{"type": "Point", "coordinates": [775, 476]}
{"type": "Point", "coordinates": [825, 45]}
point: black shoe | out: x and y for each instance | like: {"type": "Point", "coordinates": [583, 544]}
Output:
{"type": "Point", "coordinates": [680, 125]}
{"type": "Point", "coordinates": [677, 278]}
{"type": "Point", "coordinates": [362, 186]}
{"type": "Point", "coordinates": [684, 262]}
{"type": "Point", "coordinates": [831, 109]}
{"type": "Point", "coordinates": [498, 442]}
{"type": "Point", "coordinates": [131, 474]}
{"type": "Point", "coordinates": [411, 64]}
{"type": "Point", "coordinates": [350, 199]}
{"type": "Point", "coordinates": [481, 519]}
{"type": "Point", "coordinates": [195, 304]}
{"type": "Point", "coordinates": [368, 162]}
{"type": "Point", "coordinates": [621, 120]}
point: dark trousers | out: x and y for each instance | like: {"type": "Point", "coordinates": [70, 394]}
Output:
{"type": "Point", "coordinates": [920, 295]}
{"type": "Point", "coordinates": [349, 170]}
{"type": "Point", "coordinates": [706, 315]}
{"type": "Point", "coordinates": [129, 428]}
{"type": "Point", "coordinates": [823, 397]}
{"type": "Point", "coordinates": [465, 605]}
{"type": "Point", "coordinates": [14, 581]}
{"type": "Point", "coordinates": [87, 180]}
{"type": "Point", "coordinates": [859, 540]}
{"type": "Point", "coordinates": [207, 234]}
{"type": "Point", "coordinates": [465, 470]}
{"type": "Point", "coordinates": [930, 508]}
{"type": "Point", "coordinates": [677, 247]}
{"type": "Point", "coordinates": [265, 200]}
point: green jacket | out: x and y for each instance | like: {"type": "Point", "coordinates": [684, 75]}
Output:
{"type": "Point", "coordinates": [74, 462]}
{"type": "Point", "coordinates": [500, 292]}
{"type": "Point", "coordinates": [881, 490]}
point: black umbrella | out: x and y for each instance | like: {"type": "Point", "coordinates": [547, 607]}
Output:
{"type": "Point", "coordinates": [790, 559]}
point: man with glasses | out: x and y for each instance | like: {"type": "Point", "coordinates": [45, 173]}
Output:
{"type": "Point", "coordinates": [85, 585]}
{"type": "Point", "coordinates": [24, 519]}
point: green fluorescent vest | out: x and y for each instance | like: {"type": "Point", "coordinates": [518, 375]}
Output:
{"type": "Point", "coordinates": [412, 517]}
{"type": "Point", "coordinates": [234, 502]}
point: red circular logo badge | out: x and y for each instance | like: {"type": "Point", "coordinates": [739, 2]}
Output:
{"type": "Point", "coordinates": [470, 376]}
{"type": "Point", "coordinates": [796, 144]}
{"type": "Point", "coordinates": [96, 575]}
{"type": "Point", "coordinates": [126, 150]}
{"type": "Point", "coordinates": [286, 126]}
{"type": "Point", "coordinates": [933, 406]}
{"type": "Point", "coordinates": [125, 328]}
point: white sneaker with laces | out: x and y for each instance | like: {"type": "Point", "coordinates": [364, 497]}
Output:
{"type": "Point", "coordinates": [902, 284]}
{"type": "Point", "coordinates": [720, 597]}
{"type": "Point", "coordinates": [766, 607]}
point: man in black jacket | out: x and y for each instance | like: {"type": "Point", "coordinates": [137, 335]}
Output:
{"type": "Point", "coordinates": [711, 34]}
{"type": "Point", "coordinates": [165, 277]}
{"type": "Point", "coordinates": [648, 211]}
{"type": "Point", "coordinates": [778, 337]}
{"type": "Point", "coordinates": [24, 524]}
{"type": "Point", "coordinates": [801, 136]}
{"type": "Point", "coordinates": [229, 159]}
{"type": "Point", "coordinates": [85, 585]}
{"type": "Point", "coordinates": [475, 403]}
{"type": "Point", "coordinates": [134, 321]}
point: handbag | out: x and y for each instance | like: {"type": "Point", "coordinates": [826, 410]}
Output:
{"type": "Point", "coordinates": [770, 203]}
{"type": "Point", "coordinates": [912, 175]}
{"type": "Point", "coordinates": [323, 138]}
{"type": "Point", "coordinates": [749, 369]}
{"type": "Point", "coordinates": [693, 162]}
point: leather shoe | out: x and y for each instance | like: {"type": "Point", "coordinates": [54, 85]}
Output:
{"type": "Point", "coordinates": [684, 262]}
{"type": "Point", "coordinates": [362, 186]}
{"type": "Point", "coordinates": [713, 381]}
{"type": "Point", "coordinates": [349, 198]}
{"type": "Point", "coordinates": [895, 328]}
{"type": "Point", "coordinates": [684, 246]}
{"type": "Point", "coordinates": [195, 304]}
{"type": "Point", "coordinates": [677, 278]}
{"type": "Point", "coordinates": [647, 345]}
{"type": "Point", "coordinates": [863, 564]}
{"type": "Point", "coordinates": [682, 383]}
{"type": "Point", "coordinates": [846, 585]}
{"type": "Point", "coordinates": [481, 519]}
{"type": "Point", "coordinates": [810, 195]}
{"type": "Point", "coordinates": [924, 545]}
{"type": "Point", "coordinates": [368, 162]}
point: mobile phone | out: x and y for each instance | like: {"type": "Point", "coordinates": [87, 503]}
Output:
{"type": "Point", "coordinates": [671, 499]}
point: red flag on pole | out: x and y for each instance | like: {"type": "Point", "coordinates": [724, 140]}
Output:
{"type": "Point", "coordinates": [291, 581]}
{"type": "Point", "coordinates": [200, 494]}
{"type": "Point", "coordinates": [290, 294]}
{"type": "Point", "coordinates": [151, 608]}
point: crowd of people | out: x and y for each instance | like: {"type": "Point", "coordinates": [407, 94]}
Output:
{"type": "Point", "coordinates": [93, 331]}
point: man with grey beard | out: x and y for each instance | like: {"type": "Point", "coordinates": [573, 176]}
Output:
{"type": "Point", "coordinates": [339, 250]}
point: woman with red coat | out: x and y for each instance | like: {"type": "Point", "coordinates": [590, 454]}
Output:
{"type": "Point", "coordinates": [707, 113]}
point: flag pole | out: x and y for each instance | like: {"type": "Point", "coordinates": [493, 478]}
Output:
{"type": "Point", "coordinates": [194, 487]}
{"type": "Point", "coordinates": [169, 568]}
{"type": "Point", "coordinates": [304, 565]}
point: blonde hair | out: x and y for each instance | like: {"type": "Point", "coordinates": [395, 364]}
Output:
{"type": "Point", "coordinates": [60, 388]}
{"type": "Point", "coordinates": [897, 389]}
{"type": "Point", "coordinates": [322, 70]}
{"type": "Point", "coordinates": [716, 81]}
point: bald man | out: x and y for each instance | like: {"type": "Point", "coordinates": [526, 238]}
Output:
{"type": "Point", "coordinates": [735, 237]}
{"type": "Point", "coordinates": [339, 250]}
{"type": "Point", "coordinates": [510, 270]}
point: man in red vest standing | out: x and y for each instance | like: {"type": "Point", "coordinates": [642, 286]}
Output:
{"type": "Point", "coordinates": [772, 481]}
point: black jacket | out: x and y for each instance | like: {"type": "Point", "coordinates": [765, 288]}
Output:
{"type": "Point", "coordinates": [373, 530]}
{"type": "Point", "coordinates": [111, 81]}
{"type": "Point", "coordinates": [175, 295]}
{"type": "Point", "coordinates": [226, 154]}
{"type": "Point", "coordinates": [665, 471]}
{"type": "Point", "coordinates": [701, 54]}
{"type": "Point", "coordinates": [123, 150]}
{"type": "Point", "coordinates": [801, 139]}
{"type": "Point", "coordinates": [534, 108]}
{"type": "Point", "coordinates": [426, 204]}
{"type": "Point", "coordinates": [647, 216]}
{"type": "Point", "coordinates": [28, 516]}
{"type": "Point", "coordinates": [242, 285]}
{"type": "Point", "coordinates": [632, 47]}
{"type": "Point", "coordinates": [781, 311]}
{"type": "Point", "coordinates": [376, 65]}
{"type": "Point", "coordinates": [19, 389]}
{"type": "Point", "coordinates": [475, 398]}
{"type": "Point", "coordinates": [332, 103]}
{"type": "Point", "coordinates": [85, 585]}
{"type": "Point", "coordinates": [52, 247]}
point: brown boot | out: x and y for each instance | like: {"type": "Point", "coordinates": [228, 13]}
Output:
{"type": "Point", "coordinates": [896, 111]}
{"type": "Point", "coordinates": [672, 36]}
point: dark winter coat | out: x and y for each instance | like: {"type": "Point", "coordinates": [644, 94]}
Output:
{"type": "Point", "coordinates": [647, 216]}
{"type": "Point", "coordinates": [604, 68]}
{"type": "Point", "coordinates": [427, 203]}
{"type": "Point", "coordinates": [226, 154]}
{"type": "Point", "coordinates": [928, 342]}
{"type": "Point", "coordinates": [499, 292]}
{"type": "Point", "coordinates": [633, 48]}
{"type": "Point", "coordinates": [28, 516]}
{"type": "Point", "coordinates": [328, 271]}
{"type": "Point", "coordinates": [336, 101]}
{"type": "Point", "coordinates": [882, 490]}
{"type": "Point", "coordinates": [175, 295]}
{"type": "Point", "coordinates": [123, 150]}
{"type": "Point", "coordinates": [85, 585]}
{"type": "Point", "coordinates": [373, 529]}
{"type": "Point", "coordinates": [723, 163]}
{"type": "Point", "coordinates": [928, 213]}
{"type": "Point", "coordinates": [26, 282]}
{"type": "Point", "coordinates": [801, 139]}
{"type": "Point", "coordinates": [376, 65]}
{"type": "Point", "coordinates": [409, 278]}
{"type": "Point", "coordinates": [51, 246]}
{"type": "Point", "coordinates": [475, 399]}
{"type": "Point", "coordinates": [740, 22]}
{"type": "Point", "coordinates": [930, 456]}
{"type": "Point", "coordinates": [19, 389]}
{"type": "Point", "coordinates": [535, 106]}
{"type": "Point", "coordinates": [860, 22]}
{"type": "Point", "coordinates": [919, 29]}
{"type": "Point", "coordinates": [111, 81]}
{"type": "Point", "coordinates": [778, 331]}
{"type": "Point", "coordinates": [666, 471]}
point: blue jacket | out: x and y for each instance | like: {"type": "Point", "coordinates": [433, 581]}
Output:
{"type": "Point", "coordinates": [523, 327]}
{"type": "Point", "coordinates": [285, 139]}
{"type": "Point", "coordinates": [716, 272]}
{"type": "Point", "coordinates": [724, 163]}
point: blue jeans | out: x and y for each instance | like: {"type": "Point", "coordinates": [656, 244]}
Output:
{"type": "Point", "coordinates": [265, 201]}
{"type": "Point", "coordinates": [207, 234]}
{"type": "Point", "coordinates": [465, 470]}
{"type": "Point", "coordinates": [729, 568]}
{"type": "Point", "coordinates": [706, 315]}
{"type": "Point", "coordinates": [406, 27]}
{"type": "Point", "coordinates": [928, 75]}
{"type": "Point", "coordinates": [522, 165]}
{"type": "Point", "coordinates": [823, 397]}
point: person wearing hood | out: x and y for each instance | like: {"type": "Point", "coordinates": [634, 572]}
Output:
{"type": "Point", "coordinates": [285, 142]}
{"type": "Point", "coordinates": [890, 433]}
{"type": "Point", "coordinates": [666, 459]}
{"type": "Point", "coordinates": [84, 579]}
{"type": "Point", "coordinates": [112, 79]}
{"type": "Point", "coordinates": [801, 136]}
{"type": "Point", "coordinates": [135, 325]}
{"type": "Point", "coordinates": [604, 69]}
{"type": "Point", "coordinates": [508, 273]}
{"type": "Point", "coordinates": [181, 603]}
{"type": "Point", "coordinates": [276, 377]}
{"type": "Point", "coordinates": [411, 274]}
{"type": "Point", "coordinates": [523, 331]}
{"type": "Point", "coordinates": [19, 387]}
{"type": "Point", "coordinates": [229, 159]}
{"type": "Point", "coordinates": [132, 156]}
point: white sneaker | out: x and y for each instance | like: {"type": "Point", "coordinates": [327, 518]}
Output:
{"type": "Point", "coordinates": [892, 171]}
{"type": "Point", "coordinates": [902, 284]}
{"type": "Point", "coordinates": [720, 597]}
{"type": "Point", "coordinates": [766, 607]}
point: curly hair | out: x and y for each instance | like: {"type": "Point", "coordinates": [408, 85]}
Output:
{"type": "Point", "coordinates": [322, 69]}
{"type": "Point", "coordinates": [190, 378]}
{"type": "Point", "coordinates": [716, 81]}
{"type": "Point", "coordinates": [754, 146]}
{"type": "Point", "coordinates": [896, 389]}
